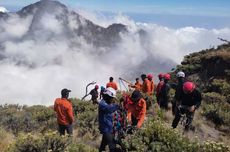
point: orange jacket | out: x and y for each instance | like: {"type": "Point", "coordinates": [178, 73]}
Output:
{"type": "Point", "coordinates": [138, 110]}
{"type": "Point", "coordinates": [112, 85]}
{"type": "Point", "coordinates": [152, 87]}
{"type": "Point", "coordinates": [64, 111]}
{"type": "Point", "coordinates": [138, 86]}
{"type": "Point", "coordinates": [146, 87]}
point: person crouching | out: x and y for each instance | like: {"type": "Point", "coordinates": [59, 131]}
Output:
{"type": "Point", "coordinates": [136, 111]}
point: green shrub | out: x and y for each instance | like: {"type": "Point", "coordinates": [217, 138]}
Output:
{"type": "Point", "coordinates": [213, 97]}
{"type": "Point", "coordinates": [221, 86]}
{"type": "Point", "coordinates": [27, 119]}
{"type": "Point", "coordinates": [217, 112]}
{"type": "Point", "coordinates": [6, 140]}
{"type": "Point", "coordinates": [211, 146]}
{"type": "Point", "coordinates": [50, 141]}
{"type": "Point", "coordinates": [81, 148]}
{"type": "Point", "coordinates": [156, 136]}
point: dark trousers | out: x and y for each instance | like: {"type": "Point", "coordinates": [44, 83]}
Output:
{"type": "Point", "coordinates": [134, 120]}
{"type": "Point", "coordinates": [189, 116]}
{"type": "Point", "coordinates": [107, 139]}
{"type": "Point", "coordinates": [164, 104]}
{"type": "Point", "coordinates": [63, 128]}
{"type": "Point", "coordinates": [174, 107]}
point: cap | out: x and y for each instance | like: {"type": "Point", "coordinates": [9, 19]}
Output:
{"type": "Point", "coordinates": [65, 91]}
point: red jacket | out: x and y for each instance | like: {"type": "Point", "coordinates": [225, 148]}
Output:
{"type": "Point", "coordinates": [138, 110]}
{"type": "Point", "coordinates": [64, 111]}
{"type": "Point", "coordinates": [159, 86]}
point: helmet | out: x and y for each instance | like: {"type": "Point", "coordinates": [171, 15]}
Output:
{"type": "Point", "coordinates": [161, 75]}
{"type": "Point", "coordinates": [110, 92]}
{"type": "Point", "coordinates": [96, 86]}
{"type": "Point", "coordinates": [180, 74]}
{"type": "Point", "coordinates": [188, 87]}
{"type": "Point", "coordinates": [65, 92]}
{"type": "Point", "coordinates": [102, 88]}
{"type": "Point", "coordinates": [149, 76]}
{"type": "Point", "coordinates": [167, 76]}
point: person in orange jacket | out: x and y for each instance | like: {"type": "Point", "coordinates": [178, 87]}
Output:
{"type": "Point", "coordinates": [137, 85]}
{"type": "Point", "coordinates": [150, 78]}
{"type": "Point", "coordinates": [111, 84]}
{"type": "Point", "coordinates": [136, 111]}
{"type": "Point", "coordinates": [146, 86]}
{"type": "Point", "coordinates": [146, 90]}
{"type": "Point", "coordinates": [64, 111]}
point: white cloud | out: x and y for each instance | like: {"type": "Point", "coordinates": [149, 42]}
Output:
{"type": "Point", "coordinates": [3, 9]}
{"type": "Point", "coordinates": [53, 64]}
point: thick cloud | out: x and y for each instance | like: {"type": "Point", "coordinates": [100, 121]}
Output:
{"type": "Point", "coordinates": [3, 9]}
{"type": "Point", "coordinates": [36, 65]}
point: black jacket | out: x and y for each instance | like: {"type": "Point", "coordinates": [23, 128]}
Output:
{"type": "Point", "coordinates": [179, 90]}
{"type": "Point", "coordinates": [164, 93]}
{"type": "Point", "coordinates": [191, 99]}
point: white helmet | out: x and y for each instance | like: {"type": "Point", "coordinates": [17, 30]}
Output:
{"type": "Point", "coordinates": [110, 92]}
{"type": "Point", "coordinates": [180, 74]}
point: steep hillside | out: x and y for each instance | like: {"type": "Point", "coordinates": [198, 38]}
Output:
{"type": "Point", "coordinates": [210, 70]}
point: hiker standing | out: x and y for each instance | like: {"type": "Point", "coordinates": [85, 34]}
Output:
{"type": "Point", "coordinates": [101, 92]}
{"type": "Point", "coordinates": [137, 85]}
{"type": "Point", "coordinates": [94, 94]}
{"type": "Point", "coordinates": [150, 78]}
{"type": "Point", "coordinates": [105, 110]}
{"type": "Point", "coordinates": [164, 93]}
{"type": "Point", "coordinates": [190, 101]}
{"type": "Point", "coordinates": [137, 110]}
{"type": "Point", "coordinates": [159, 86]}
{"type": "Point", "coordinates": [111, 84]}
{"type": "Point", "coordinates": [64, 111]}
{"type": "Point", "coordinates": [146, 89]}
{"type": "Point", "coordinates": [179, 89]}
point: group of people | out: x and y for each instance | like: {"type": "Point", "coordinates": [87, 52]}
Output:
{"type": "Point", "coordinates": [136, 104]}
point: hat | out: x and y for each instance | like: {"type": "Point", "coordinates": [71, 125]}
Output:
{"type": "Point", "coordinates": [65, 91]}
{"type": "Point", "coordinates": [110, 92]}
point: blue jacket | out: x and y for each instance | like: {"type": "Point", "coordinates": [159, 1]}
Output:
{"type": "Point", "coordinates": [105, 116]}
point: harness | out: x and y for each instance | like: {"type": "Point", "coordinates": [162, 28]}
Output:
{"type": "Point", "coordinates": [183, 110]}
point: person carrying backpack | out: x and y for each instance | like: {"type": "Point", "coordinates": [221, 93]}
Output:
{"type": "Point", "coordinates": [64, 111]}
{"type": "Point", "coordinates": [190, 99]}
{"type": "Point", "coordinates": [105, 117]}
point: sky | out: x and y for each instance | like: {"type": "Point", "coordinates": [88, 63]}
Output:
{"type": "Point", "coordinates": [170, 13]}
